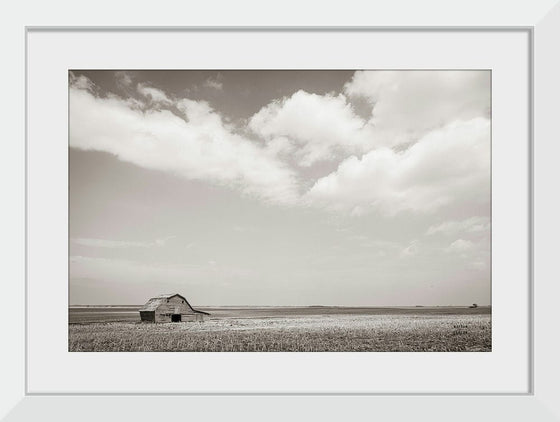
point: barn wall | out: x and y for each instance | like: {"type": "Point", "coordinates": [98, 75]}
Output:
{"type": "Point", "coordinates": [166, 317]}
{"type": "Point", "coordinates": [162, 317]}
{"type": "Point", "coordinates": [167, 307]}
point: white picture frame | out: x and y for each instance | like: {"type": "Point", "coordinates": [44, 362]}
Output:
{"type": "Point", "coordinates": [538, 403]}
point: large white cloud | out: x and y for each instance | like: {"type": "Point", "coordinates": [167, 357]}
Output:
{"type": "Point", "coordinates": [198, 145]}
{"type": "Point", "coordinates": [450, 165]}
{"type": "Point", "coordinates": [318, 126]}
{"type": "Point", "coordinates": [409, 103]}
{"type": "Point", "coordinates": [425, 146]}
{"type": "Point", "coordinates": [404, 106]}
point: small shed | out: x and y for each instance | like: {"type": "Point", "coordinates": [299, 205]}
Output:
{"type": "Point", "coordinates": [170, 308]}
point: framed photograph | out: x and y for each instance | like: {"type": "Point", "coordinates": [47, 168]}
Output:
{"type": "Point", "coordinates": [318, 216]}
{"type": "Point", "coordinates": [297, 210]}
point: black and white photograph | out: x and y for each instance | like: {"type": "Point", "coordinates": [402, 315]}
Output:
{"type": "Point", "coordinates": [279, 210]}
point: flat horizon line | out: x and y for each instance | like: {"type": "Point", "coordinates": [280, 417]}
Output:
{"type": "Point", "coordinates": [302, 306]}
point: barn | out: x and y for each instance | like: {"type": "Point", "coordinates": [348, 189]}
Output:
{"type": "Point", "coordinates": [170, 308]}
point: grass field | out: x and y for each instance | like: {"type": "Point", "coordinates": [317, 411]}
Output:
{"type": "Point", "coordinates": [285, 329]}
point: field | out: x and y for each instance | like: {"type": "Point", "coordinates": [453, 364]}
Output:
{"type": "Point", "coordinates": [285, 329]}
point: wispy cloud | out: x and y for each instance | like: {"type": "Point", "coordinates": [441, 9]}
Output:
{"type": "Point", "coordinates": [119, 244]}
{"type": "Point", "coordinates": [411, 249]}
{"type": "Point", "coordinates": [214, 83]}
{"type": "Point", "coordinates": [81, 82]}
{"type": "Point", "coordinates": [460, 246]}
{"type": "Point", "coordinates": [135, 272]}
{"type": "Point", "coordinates": [123, 79]}
{"type": "Point", "coordinates": [153, 94]}
{"type": "Point", "coordinates": [469, 225]}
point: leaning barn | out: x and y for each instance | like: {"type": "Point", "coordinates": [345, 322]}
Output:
{"type": "Point", "coordinates": [170, 308]}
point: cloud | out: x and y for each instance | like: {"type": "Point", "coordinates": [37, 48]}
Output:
{"type": "Point", "coordinates": [460, 246]}
{"type": "Point", "coordinates": [411, 249]}
{"type": "Point", "coordinates": [133, 272]}
{"type": "Point", "coordinates": [123, 79]}
{"type": "Point", "coordinates": [119, 244]}
{"type": "Point", "coordinates": [139, 272]}
{"type": "Point", "coordinates": [319, 126]}
{"type": "Point", "coordinates": [479, 264]}
{"type": "Point", "coordinates": [425, 146]}
{"type": "Point", "coordinates": [474, 253]}
{"type": "Point", "coordinates": [193, 142]}
{"type": "Point", "coordinates": [243, 229]}
{"type": "Point", "coordinates": [214, 83]}
{"type": "Point", "coordinates": [410, 103]}
{"type": "Point", "coordinates": [404, 105]}
{"type": "Point", "coordinates": [470, 225]}
{"type": "Point", "coordinates": [153, 94]}
{"type": "Point", "coordinates": [448, 166]}
{"type": "Point", "coordinates": [80, 82]}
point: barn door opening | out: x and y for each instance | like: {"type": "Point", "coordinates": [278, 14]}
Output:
{"type": "Point", "coordinates": [176, 318]}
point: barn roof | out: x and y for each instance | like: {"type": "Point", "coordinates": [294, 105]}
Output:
{"type": "Point", "coordinates": [167, 296]}
{"type": "Point", "coordinates": [154, 302]}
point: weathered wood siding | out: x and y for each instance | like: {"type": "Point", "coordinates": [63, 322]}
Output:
{"type": "Point", "coordinates": [163, 317]}
{"type": "Point", "coordinates": [176, 305]}
{"type": "Point", "coordinates": [164, 308]}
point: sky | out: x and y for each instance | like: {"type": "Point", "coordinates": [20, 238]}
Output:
{"type": "Point", "coordinates": [347, 188]}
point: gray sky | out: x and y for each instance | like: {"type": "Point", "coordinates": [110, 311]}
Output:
{"type": "Point", "coordinates": [280, 187]}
